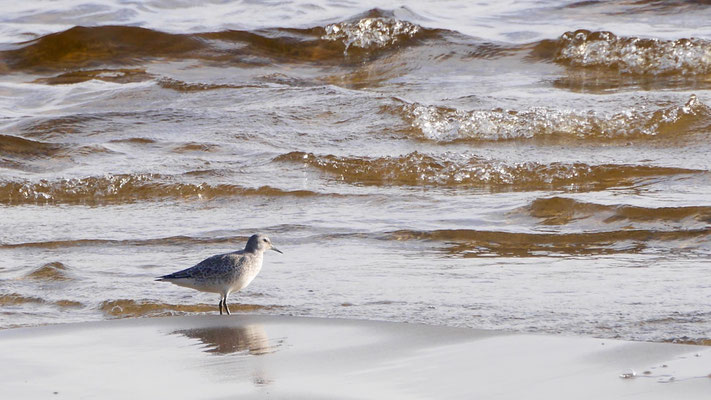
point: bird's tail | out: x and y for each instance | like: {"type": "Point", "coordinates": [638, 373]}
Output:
{"type": "Point", "coordinates": [175, 275]}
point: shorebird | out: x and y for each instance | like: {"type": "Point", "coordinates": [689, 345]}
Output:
{"type": "Point", "coordinates": [225, 273]}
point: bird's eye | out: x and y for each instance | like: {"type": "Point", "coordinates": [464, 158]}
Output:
{"type": "Point", "coordinates": [265, 240]}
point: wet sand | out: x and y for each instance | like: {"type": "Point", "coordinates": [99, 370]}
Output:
{"type": "Point", "coordinates": [248, 356]}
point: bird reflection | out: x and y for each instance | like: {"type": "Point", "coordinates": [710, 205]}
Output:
{"type": "Point", "coordinates": [228, 339]}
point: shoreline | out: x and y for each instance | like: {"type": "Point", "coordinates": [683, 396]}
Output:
{"type": "Point", "coordinates": [245, 312]}
{"type": "Point", "coordinates": [266, 356]}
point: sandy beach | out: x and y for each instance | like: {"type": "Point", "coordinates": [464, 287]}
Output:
{"type": "Point", "coordinates": [249, 356]}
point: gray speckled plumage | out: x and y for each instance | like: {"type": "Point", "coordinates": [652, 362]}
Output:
{"type": "Point", "coordinates": [225, 273]}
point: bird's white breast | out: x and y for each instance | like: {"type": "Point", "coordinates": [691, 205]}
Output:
{"type": "Point", "coordinates": [247, 274]}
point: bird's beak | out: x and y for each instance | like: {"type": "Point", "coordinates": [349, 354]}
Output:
{"type": "Point", "coordinates": [277, 250]}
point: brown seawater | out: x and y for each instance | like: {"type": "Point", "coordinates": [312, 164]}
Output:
{"type": "Point", "coordinates": [516, 166]}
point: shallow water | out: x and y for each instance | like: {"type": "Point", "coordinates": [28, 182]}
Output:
{"type": "Point", "coordinates": [529, 167]}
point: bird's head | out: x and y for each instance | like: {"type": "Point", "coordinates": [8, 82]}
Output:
{"type": "Point", "coordinates": [260, 243]}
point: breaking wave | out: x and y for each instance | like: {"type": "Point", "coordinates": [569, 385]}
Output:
{"type": "Point", "coordinates": [632, 55]}
{"type": "Point", "coordinates": [459, 170]}
{"type": "Point", "coordinates": [93, 48]}
{"type": "Point", "coordinates": [125, 189]}
{"type": "Point", "coordinates": [368, 33]}
{"type": "Point", "coordinates": [447, 124]}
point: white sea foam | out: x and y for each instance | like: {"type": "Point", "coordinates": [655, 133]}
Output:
{"type": "Point", "coordinates": [445, 124]}
{"type": "Point", "coordinates": [370, 32]}
{"type": "Point", "coordinates": [635, 55]}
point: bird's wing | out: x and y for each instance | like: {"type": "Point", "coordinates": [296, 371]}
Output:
{"type": "Point", "coordinates": [211, 265]}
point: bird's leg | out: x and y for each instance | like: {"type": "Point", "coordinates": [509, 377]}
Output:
{"type": "Point", "coordinates": [226, 308]}
{"type": "Point", "coordinates": [220, 306]}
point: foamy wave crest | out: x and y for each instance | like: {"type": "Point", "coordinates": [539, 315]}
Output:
{"type": "Point", "coordinates": [125, 188]}
{"type": "Point", "coordinates": [105, 52]}
{"type": "Point", "coordinates": [449, 169]}
{"type": "Point", "coordinates": [447, 124]}
{"type": "Point", "coordinates": [369, 33]}
{"type": "Point", "coordinates": [634, 55]}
